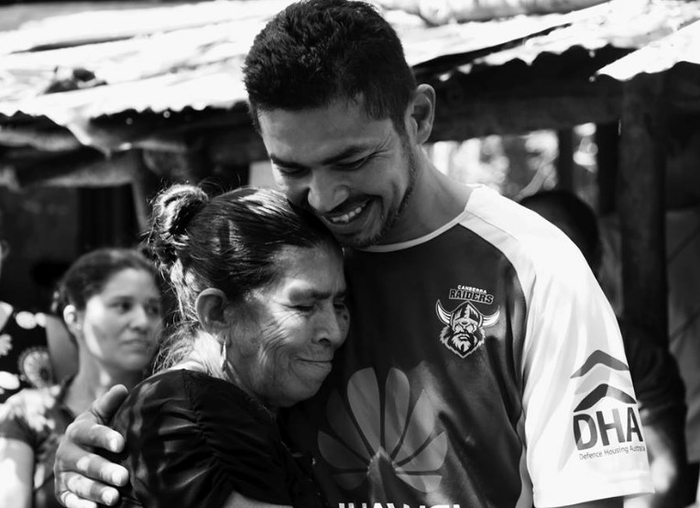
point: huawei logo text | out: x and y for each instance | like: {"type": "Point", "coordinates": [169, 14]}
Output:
{"type": "Point", "coordinates": [381, 436]}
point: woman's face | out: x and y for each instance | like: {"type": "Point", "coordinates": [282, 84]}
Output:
{"type": "Point", "coordinates": [283, 341]}
{"type": "Point", "coordinates": [120, 323]}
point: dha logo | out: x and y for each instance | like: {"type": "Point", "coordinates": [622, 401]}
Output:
{"type": "Point", "coordinates": [609, 424]}
{"type": "Point", "coordinates": [464, 330]}
{"type": "Point", "coordinates": [380, 436]}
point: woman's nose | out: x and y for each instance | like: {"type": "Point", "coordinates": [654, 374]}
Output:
{"type": "Point", "coordinates": [333, 327]}
{"type": "Point", "coordinates": [141, 318]}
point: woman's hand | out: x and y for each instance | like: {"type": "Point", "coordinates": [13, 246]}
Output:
{"type": "Point", "coordinates": [82, 478]}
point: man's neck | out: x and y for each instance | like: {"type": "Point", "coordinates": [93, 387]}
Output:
{"type": "Point", "coordinates": [436, 200]}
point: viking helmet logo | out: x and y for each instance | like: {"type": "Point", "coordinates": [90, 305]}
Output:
{"type": "Point", "coordinates": [464, 330]}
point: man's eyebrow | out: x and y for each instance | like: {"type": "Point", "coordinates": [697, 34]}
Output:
{"type": "Point", "coordinates": [350, 151]}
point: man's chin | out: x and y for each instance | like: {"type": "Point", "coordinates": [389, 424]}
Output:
{"type": "Point", "coordinates": [358, 241]}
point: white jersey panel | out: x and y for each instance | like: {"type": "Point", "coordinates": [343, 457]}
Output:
{"type": "Point", "coordinates": [581, 423]}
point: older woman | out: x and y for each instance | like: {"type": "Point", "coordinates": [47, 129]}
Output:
{"type": "Point", "coordinates": [260, 289]}
{"type": "Point", "coordinates": [111, 304]}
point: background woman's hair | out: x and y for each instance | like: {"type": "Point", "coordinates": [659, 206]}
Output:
{"type": "Point", "coordinates": [228, 242]}
{"type": "Point", "coordinates": [89, 274]}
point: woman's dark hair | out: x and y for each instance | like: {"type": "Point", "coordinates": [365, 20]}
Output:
{"type": "Point", "coordinates": [228, 242]}
{"type": "Point", "coordinates": [315, 52]}
{"type": "Point", "coordinates": [89, 274]}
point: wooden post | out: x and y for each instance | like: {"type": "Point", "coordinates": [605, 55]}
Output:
{"type": "Point", "coordinates": [565, 159]}
{"type": "Point", "coordinates": [641, 205]}
{"type": "Point", "coordinates": [607, 140]}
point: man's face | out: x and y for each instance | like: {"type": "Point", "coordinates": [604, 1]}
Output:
{"type": "Point", "coordinates": [355, 173]}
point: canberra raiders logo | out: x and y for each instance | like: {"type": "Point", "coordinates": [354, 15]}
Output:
{"type": "Point", "coordinates": [464, 325]}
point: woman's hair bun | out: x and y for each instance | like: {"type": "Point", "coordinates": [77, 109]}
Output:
{"type": "Point", "coordinates": [173, 210]}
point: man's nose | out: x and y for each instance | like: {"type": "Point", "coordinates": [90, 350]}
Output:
{"type": "Point", "coordinates": [326, 191]}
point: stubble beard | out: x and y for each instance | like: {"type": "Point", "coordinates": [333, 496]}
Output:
{"type": "Point", "coordinates": [388, 222]}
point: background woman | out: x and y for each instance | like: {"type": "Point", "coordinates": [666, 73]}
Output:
{"type": "Point", "coordinates": [110, 303]}
{"type": "Point", "coordinates": [260, 289]}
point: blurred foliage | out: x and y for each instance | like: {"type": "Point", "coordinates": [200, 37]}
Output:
{"type": "Point", "coordinates": [519, 165]}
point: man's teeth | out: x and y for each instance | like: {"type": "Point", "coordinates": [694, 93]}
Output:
{"type": "Point", "coordinates": [346, 217]}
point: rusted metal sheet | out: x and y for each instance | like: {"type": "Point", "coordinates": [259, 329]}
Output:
{"type": "Point", "coordinates": [92, 23]}
{"type": "Point", "coordinates": [625, 24]}
{"type": "Point", "coordinates": [658, 56]}
{"type": "Point", "coordinates": [168, 59]}
{"type": "Point", "coordinates": [440, 12]}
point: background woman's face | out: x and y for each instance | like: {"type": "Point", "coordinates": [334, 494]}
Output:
{"type": "Point", "coordinates": [281, 349]}
{"type": "Point", "coordinates": [120, 323]}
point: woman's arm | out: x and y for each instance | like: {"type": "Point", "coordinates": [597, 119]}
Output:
{"type": "Point", "coordinates": [16, 471]}
{"type": "Point", "coordinates": [237, 500]}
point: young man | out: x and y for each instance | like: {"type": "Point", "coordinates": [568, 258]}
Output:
{"type": "Point", "coordinates": [458, 385]}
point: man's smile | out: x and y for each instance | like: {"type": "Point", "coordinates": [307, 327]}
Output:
{"type": "Point", "coordinates": [346, 217]}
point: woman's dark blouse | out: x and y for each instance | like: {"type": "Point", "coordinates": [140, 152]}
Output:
{"type": "Point", "coordinates": [192, 440]}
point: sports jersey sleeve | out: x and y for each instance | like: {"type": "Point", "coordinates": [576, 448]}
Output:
{"type": "Point", "coordinates": [582, 425]}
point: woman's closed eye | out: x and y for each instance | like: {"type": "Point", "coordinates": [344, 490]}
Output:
{"type": "Point", "coordinates": [304, 307]}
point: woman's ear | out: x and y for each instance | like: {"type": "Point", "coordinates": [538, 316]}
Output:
{"type": "Point", "coordinates": [210, 306]}
{"type": "Point", "coordinates": [422, 111]}
{"type": "Point", "coordinates": [72, 320]}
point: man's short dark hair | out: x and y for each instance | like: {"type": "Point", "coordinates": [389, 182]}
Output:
{"type": "Point", "coordinates": [315, 52]}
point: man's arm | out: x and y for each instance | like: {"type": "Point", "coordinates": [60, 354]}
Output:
{"type": "Point", "coordinates": [84, 478]}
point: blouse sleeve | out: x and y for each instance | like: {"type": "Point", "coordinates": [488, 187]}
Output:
{"type": "Point", "coordinates": [192, 440]}
{"type": "Point", "coordinates": [14, 422]}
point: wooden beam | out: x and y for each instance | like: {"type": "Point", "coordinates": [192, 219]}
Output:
{"type": "Point", "coordinates": [235, 146]}
{"type": "Point", "coordinates": [57, 140]}
{"type": "Point", "coordinates": [641, 205]}
{"type": "Point", "coordinates": [607, 139]}
{"type": "Point", "coordinates": [464, 113]}
{"type": "Point", "coordinates": [565, 159]}
{"type": "Point", "coordinates": [85, 168]}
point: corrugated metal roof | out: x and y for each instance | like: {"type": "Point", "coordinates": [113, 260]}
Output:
{"type": "Point", "coordinates": [169, 58]}
{"type": "Point", "coordinates": [658, 56]}
{"type": "Point", "coordinates": [623, 24]}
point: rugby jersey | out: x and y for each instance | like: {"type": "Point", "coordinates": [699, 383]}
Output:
{"type": "Point", "coordinates": [484, 368]}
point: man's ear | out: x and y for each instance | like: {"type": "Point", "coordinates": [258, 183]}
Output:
{"type": "Point", "coordinates": [210, 306]}
{"type": "Point", "coordinates": [72, 320]}
{"type": "Point", "coordinates": [422, 111]}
